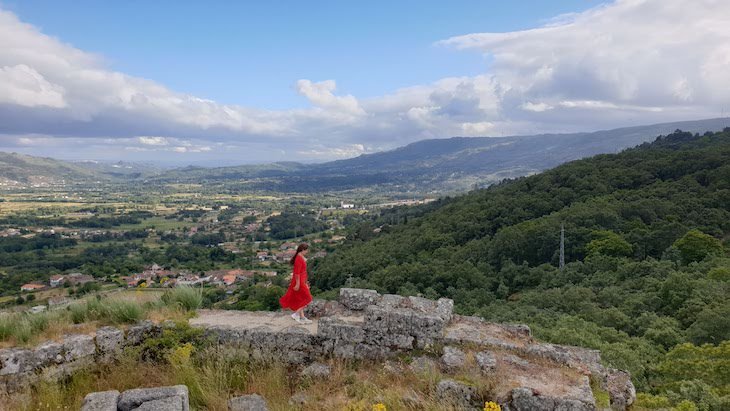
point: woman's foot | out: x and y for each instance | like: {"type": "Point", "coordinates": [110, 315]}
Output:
{"type": "Point", "coordinates": [306, 320]}
{"type": "Point", "coordinates": [296, 318]}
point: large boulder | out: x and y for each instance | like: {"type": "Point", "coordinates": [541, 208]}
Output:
{"type": "Point", "coordinates": [109, 341]}
{"type": "Point", "coordinates": [357, 299]}
{"type": "Point", "coordinates": [133, 399]}
{"type": "Point", "coordinates": [253, 402]}
{"type": "Point", "coordinates": [620, 389]}
{"type": "Point", "coordinates": [452, 359]}
{"type": "Point", "coordinates": [78, 347]}
{"type": "Point", "coordinates": [139, 332]}
{"type": "Point", "coordinates": [163, 404]}
{"type": "Point", "coordinates": [48, 353]}
{"type": "Point", "coordinates": [487, 362]}
{"type": "Point", "coordinates": [324, 308]}
{"type": "Point", "coordinates": [423, 365]}
{"type": "Point", "coordinates": [316, 370]}
{"type": "Point", "coordinates": [457, 394]}
{"type": "Point", "coordinates": [15, 361]}
{"type": "Point", "coordinates": [525, 399]}
{"type": "Point", "coordinates": [101, 401]}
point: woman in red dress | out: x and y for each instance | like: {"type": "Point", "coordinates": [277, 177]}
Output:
{"type": "Point", "coordinates": [297, 296]}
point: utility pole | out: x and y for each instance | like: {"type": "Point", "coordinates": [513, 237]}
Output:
{"type": "Point", "coordinates": [562, 246]}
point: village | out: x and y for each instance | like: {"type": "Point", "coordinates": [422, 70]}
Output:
{"type": "Point", "coordinates": [51, 256]}
{"type": "Point", "coordinates": [157, 276]}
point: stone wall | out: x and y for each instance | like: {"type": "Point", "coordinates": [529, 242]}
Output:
{"type": "Point", "coordinates": [51, 360]}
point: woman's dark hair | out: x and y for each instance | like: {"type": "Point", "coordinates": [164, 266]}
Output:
{"type": "Point", "coordinates": [300, 248]}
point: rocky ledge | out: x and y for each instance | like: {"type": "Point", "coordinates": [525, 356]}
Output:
{"type": "Point", "coordinates": [365, 325]}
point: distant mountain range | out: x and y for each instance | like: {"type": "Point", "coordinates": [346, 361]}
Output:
{"type": "Point", "coordinates": [20, 170]}
{"type": "Point", "coordinates": [444, 165]}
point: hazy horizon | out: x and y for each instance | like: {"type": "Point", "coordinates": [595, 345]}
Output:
{"type": "Point", "coordinates": [162, 164]}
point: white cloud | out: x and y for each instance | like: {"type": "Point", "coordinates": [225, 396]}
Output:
{"type": "Point", "coordinates": [322, 95]}
{"type": "Point", "coordinates": [153, 141]}
{"type": "Point", "coordinates": [352, 150]}
{"type": "Point", "coordinates": [536, 107]}
{"type": "Point", "coordinates": [633, 56]}
{"type": "Point", "coordinates": [24, 86]}
{"type": "Point", "coordinates": [477, 129]}
{"type": "Point", "coordinates": [627, 62]}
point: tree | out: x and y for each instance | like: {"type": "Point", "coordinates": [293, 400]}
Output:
{"type": "Point", "coordinates": [712, 325]}
{"type": "Point", "coordinates": [696, 245]}
{"type": "Point", "coordinates": [609, 243]}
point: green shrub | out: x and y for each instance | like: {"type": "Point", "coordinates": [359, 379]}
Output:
{"type": "Point", "coordinates": [685, 406]}
{"type": "Point", "coordinates": [158, 349]}
{"type": "Point", "coordinates": [7, 324]}
{"type": "Point", "coordinates": [38, 322]}
{"type": "Point", "coordinates": [186, 297]}
{"type": "Point", "coordinates": [79, 312]}
{"type": "Point", "coordinates": [108, 310]}
{"type": "Point", "coordinates": [96, 309]}
{"type": "Point", "coordinates": [122, 311]}
{"type": "Point", "coordinates": [651, 402]}
{"type": "Point", "coordinates": [22, 331]}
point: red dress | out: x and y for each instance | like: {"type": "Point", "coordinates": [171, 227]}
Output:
{"type": "Point", "coordinates": [295, 300]}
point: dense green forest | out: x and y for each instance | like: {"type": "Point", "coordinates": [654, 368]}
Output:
{"type": "Point", "coordinates": [647, 278]}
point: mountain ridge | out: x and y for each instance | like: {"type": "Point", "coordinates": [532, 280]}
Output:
{"type": "Point", "coordinates": [453, 164]}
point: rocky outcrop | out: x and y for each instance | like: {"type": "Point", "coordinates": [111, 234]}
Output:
{"type": "Point", "coordinates": [364, 325]}
{"type": "Point", "coordinates": [142, 399]}
{"type": "Point", "coordinates": [620, 389]}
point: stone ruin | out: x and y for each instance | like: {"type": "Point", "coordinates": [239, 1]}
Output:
{"type": "Point", "coordinates": [365, 325]}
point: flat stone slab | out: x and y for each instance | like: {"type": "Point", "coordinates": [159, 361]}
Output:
{"type": "Point", "coordinates": [471, 330]}
{"type": "Point", "coordinates": [275, 321]}
{"type": "Point", "coordinates": [253, 402]}
{"type": "Point", "coordinates": [133, 399]}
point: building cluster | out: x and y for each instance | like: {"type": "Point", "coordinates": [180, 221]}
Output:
{"type": "Point", "coordinates": [156, 275]}
{"type": "Point", "coordinates": [72, 279]}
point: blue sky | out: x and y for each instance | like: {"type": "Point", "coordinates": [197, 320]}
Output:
{"type": "Point", "coordinates": [248, 82]}
{"type": "Point", "coordinates": [252, 53]}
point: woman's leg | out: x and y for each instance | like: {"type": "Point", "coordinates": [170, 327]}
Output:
{"type": "Point", "coordinates": [300, 312]}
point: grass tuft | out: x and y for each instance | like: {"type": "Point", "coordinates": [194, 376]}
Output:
{"type": "Point", "coordinates": [188, 298]}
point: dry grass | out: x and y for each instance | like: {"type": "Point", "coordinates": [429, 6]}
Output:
{"type": "Point", "coordinates": [216, 374]}
{"type": "Point", "coordinates": [84, 316]}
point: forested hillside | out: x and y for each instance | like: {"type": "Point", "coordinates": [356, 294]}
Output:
{"type": "Point", "coordinates": [647, 279]}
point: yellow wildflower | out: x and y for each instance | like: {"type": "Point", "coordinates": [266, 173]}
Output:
{"type": "Point", "coordinates": [492, 406]}
{"type": "Point", "coordinates": [181, 355]}
{"type": "Point", "coordinates": [379, 407]}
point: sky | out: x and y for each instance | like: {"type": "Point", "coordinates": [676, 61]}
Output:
{"type": "Point", "coordinates": [220, 83]}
